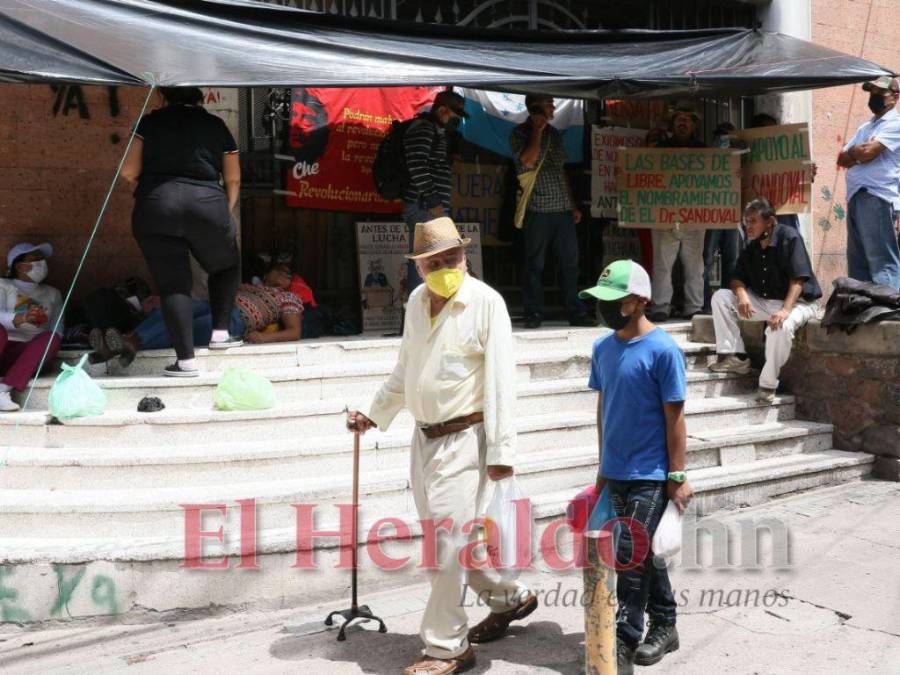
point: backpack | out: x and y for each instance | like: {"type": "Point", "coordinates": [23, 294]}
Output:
{"type": "Point", "coordinates": [389, 170]}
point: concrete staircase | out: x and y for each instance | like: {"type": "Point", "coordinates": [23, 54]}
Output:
{"type": "Point", "coordinates": [98, 502]}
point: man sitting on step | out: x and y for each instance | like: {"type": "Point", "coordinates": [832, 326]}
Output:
{"type": "Point", "coordinates": [456, 375]}
{"type": "Point", "coordinates": [256, 307]}
{"type": "Point", "coordinates": [773, 282]}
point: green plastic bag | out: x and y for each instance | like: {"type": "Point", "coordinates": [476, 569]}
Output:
{"type": "Point", "coordinates": [240, 389]}
{"type": "Point", "coordinates": [75, 394]}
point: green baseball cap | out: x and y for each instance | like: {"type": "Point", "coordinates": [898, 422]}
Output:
{"type": "Point", "coordinates": [620, 279]}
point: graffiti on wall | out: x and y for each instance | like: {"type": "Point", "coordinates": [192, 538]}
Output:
{"type": "Point", "coordinates": [102, 593]}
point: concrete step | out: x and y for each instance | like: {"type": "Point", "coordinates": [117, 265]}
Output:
{"type": "Point", "coordinates": [316, 383]}
{"type": "Point", "coordinates": [346, 351]}
{"type": "Point", "coordinates": [147, 571]}
{"type": "Point", "coordinates": [208, 465]}
{"type": "Point", "coordinates": [159, 511]}
{"type": "Point", "coordinates": [323, 418]}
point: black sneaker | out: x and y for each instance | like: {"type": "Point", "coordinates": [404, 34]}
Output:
{"type": "Point", "coordinates": [227, 344]}
{"type": "Point", "coordinates": [658, 317]}
{"type": "Point", "coordinates": [583, 321]}
{"type": "Point", "coordinates": [176, 371]}
{"type": "Point", "coordinates": [661, 639]}
{"type": "Point", "coordinates": [624, 658]}
{"type": "Point", "coordinates": [532, 321]}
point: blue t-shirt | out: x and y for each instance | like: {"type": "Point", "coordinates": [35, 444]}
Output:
{"type": "Point", "coordinates": [636, 377]}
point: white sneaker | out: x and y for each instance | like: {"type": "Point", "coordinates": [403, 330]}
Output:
{"type": "Point", "coordinates": [731, 363]}
{"type": "Point", "coordinates": [6, 402]}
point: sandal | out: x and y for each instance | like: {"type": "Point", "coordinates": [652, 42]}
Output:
{"type": "Point", "coordinates": [429, 665]}
{"type": "Point", "coordinates": [120, 346]}
{"type": "Point", "coordinates": [100, 351]}
{"type": "Point", "coordinates": [495, 624]}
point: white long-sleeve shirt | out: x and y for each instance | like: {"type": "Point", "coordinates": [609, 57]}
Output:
{"type": "Point", "coordinates": [462, 364]}
{"type": "Point", "coordinates": [15, 297]}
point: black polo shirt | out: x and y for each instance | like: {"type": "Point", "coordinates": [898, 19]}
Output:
{"type": "Point", "coordinates": [183, 142]}
{"type": "Point", "coordinates": [768, 271]}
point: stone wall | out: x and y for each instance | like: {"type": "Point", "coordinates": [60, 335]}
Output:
{"type": "Point", "coordinates": [849, 381]}
{"type": "Point", "coordinates": [852, 382]}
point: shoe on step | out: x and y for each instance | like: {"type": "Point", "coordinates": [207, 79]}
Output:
{"type": "Point", "coordinates": [765, 395]}
{"type": "Point", "coordinates": [176, 371]}
{"type": "Point", "coordinates": [227, 344]}
{"type": "Point", "coordinates": [730, 363]}
{"type": "Point", "coordinates": [100, 351]}
{"type": "Point", "coordinates": [6, 402]}
{"type": "Point", "coordinates": [120, 347]}
{"type": "Point", "coordinates": [658, 317]}
{"type": "Point", "coordinates": [533, 321]}
{"type": "Point", "coordinates": [661, 639]}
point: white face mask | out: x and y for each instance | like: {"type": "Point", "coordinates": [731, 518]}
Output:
{"type": "Point", "coordinates": [38, 271]}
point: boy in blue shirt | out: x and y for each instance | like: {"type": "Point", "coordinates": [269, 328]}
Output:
{"type": "Point", "coordinates": [639, 373]}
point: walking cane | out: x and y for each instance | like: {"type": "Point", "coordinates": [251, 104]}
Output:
{"type": "Point", "coordinates": [355, 612]}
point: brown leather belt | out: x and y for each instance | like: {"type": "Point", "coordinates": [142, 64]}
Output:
{"type": "Point", "coordinates": [453, 426]}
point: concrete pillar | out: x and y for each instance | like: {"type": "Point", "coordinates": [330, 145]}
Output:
{"type": "Point", "coordinates": [794, 18]}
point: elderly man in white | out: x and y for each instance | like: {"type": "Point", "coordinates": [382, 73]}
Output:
{"type": "Point", "coordinates": [456, 375]}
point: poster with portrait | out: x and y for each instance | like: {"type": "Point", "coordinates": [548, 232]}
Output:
{"type": "Point", "coordinates": [332, 139]}
{"type": "Point", "coordinates": [381, 250]}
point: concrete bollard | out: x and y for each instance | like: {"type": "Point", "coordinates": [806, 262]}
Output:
{"type": "Point", "coordinates": [599, 605]}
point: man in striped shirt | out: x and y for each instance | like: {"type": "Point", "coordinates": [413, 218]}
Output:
{"type": "Point", "coordinates": [428, 163]}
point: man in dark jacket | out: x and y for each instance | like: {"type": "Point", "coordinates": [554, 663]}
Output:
{"type": "Point", "coordinates": [773, 282]}
{"type": "Point", "coordinates": [428, 162]}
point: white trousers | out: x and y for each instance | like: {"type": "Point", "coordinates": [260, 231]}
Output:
{"type": "Point", "coordinates": [449, 480]}
{"type": "Point", "coordinates": [778, 342]}
{"type": "Point", "coordinates": [668, 245]}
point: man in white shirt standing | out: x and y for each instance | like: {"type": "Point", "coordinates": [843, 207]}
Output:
{"type": "Point", "coordinates": [872, 160]}
{"type": "Point", "coordinates": [456, 375]}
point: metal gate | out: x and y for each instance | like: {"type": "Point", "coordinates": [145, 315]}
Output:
{"type": "Point", "coordinates": [322, 243]}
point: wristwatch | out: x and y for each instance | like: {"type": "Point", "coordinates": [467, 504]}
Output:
{"type": "Point", "coordinates": [677, 476]}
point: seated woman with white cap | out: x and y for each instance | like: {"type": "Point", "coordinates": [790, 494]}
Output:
{"type": "Point", "coordinates": [28, 313]}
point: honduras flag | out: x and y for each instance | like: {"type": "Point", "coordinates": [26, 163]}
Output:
{"type": "Point", "coordinates": [494, 114]}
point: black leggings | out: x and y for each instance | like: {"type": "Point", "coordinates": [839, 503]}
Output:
{"type": "Point", "coordinates": [172, 220]}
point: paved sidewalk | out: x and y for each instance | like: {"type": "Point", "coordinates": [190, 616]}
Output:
{"type": "Point", "coordinates": [836, 609]}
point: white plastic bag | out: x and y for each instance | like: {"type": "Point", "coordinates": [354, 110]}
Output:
{"type": "Point", "coordinates": [502, 529]}
{"type": "Point", "coordinates": [667, 538]}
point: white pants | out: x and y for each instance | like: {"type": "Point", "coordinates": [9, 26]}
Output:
{"type": "Point", "coordinates": [778, 342]}
{"type": "Point", "coordinates": [448, 480]}
{"type": "Point", "coordinates": [668, 245]}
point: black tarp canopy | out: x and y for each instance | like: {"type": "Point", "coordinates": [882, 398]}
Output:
{"type": "Point", "coordinates": [243, 44]}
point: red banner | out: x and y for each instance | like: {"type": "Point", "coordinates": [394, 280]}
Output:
{"type": "Point", "coordinates": [334, 134]}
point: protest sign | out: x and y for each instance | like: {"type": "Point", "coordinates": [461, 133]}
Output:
{"type": "Point", "coordinates": [604, 143]}
{"type": "Point", "coordinates": [477, 196]}
{"type": "Point", "coordinates": [333, 137]}
{"type": "Point", "coordinates": [647, 113]}
{"type": "Point", "coordinates": [666, 188]}
{"type": "Point", "coordinates": [381, 250]}
{"type": "Point", "coordinates": [777, 167]}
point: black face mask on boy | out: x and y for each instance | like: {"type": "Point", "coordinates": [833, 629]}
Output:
{"type": "Point", "coordinates": [611, 313]}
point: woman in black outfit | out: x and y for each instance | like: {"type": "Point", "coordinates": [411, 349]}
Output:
{"type": "Point", "coordinates": [180, 153]}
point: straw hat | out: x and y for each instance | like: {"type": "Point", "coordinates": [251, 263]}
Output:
{"type": "Point", "coordinates": [434, 236]}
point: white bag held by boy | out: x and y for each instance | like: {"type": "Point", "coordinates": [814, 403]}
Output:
{"type": "Point", "coordinates": [501, 527]}
{"type": "Point", "coordinates": [667, 538]}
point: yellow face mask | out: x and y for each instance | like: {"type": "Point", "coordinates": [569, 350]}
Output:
{"type": "Point", "coordinates": [444, 282]}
